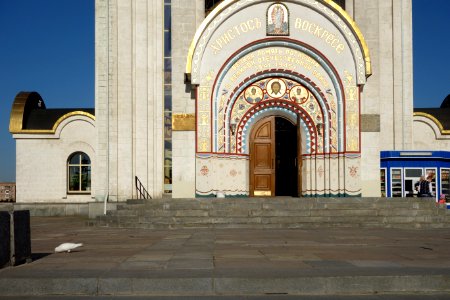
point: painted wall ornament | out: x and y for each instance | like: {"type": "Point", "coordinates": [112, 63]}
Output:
{"type": "Point", "coordinates": [277, 20]}
{"type": "Point", "coordinates": [253, 94]}
{"type": "Point", "coordinates": [299, 94]}
{"type": "Point", "coordinates": [204, 170]}
{"type": "Point", "coordinates": [276, 88]}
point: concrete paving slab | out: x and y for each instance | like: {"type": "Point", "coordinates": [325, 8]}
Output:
{"type": "Point", "coordinates": [264, 297]}
{"type": "Point", "coordinates": [235, 262]}
{"type": "Point", "coordinates": [190, 264]}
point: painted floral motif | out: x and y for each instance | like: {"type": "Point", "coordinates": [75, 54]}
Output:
{"type": "Point", "coordinates": [204, 170]}
{"type": "Point", "coordinates": [353, 171]}
{"type": "Point", "coordinates": [233, 173]}
{"type": "Point", "coordinates": [320, 171]}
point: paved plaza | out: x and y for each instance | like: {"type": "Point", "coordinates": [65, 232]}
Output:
{"type": "Point", "coordinates": [207, 262]}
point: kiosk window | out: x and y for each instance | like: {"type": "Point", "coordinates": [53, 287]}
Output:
{"type": "Point", "coordinates": [413, 172]}
{"type": "Point", "coordinates": [396, 183]}
{"type": "Point", "coordinates": [445, 183]}
{"type": "Point", "coordinates": [432, 172]}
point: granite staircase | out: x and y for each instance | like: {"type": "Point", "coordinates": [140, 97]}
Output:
{"type": "Point", "coordinates": [278, 212]}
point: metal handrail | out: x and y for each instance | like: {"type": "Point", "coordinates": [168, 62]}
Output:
{"type": "Point", "coordinates": [142, 192]}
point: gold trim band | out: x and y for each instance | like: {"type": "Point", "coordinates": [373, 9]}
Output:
{"type": "Point", "coordinates": [432, 118]}
{"type": "Point", "coordinates": [358, 32]}
{"type": "Point", "coordinates": [57, 123]}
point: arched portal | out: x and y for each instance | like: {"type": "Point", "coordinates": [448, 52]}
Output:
{"type": "Point", "coordinates": [259, 60]}
{"type": "Point", "coordinates": [275, 159]}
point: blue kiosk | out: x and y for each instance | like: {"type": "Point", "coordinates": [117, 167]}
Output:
{"type": "Point", "coordinates": [400, 170]}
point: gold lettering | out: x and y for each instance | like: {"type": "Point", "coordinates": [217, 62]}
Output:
{"type": "Point", "coordinates": [237, 30]}
{"type": "Point", "coordinates": [244, 27]}
{"type": "Point", "coordinates": [339, 48]}
{"type": "Point", "coordinates": [305, 25]}
{"type": "Point", "coordinates": [225, 39]}
{"type": "Point", "coordinates": [250, 25]}
{"type": "Point", "coordinates": [319, 32]}
{"type": "Point", "coordinates": [333, 42]}
{"type": "Point", "coordinates": [230, 34]}
{"type": "Point", "coordinates": [219, 43]}
{"type": "Point", "coordinates": [215, 48]}
{"type": "Point", "coordinates": [258, 23]}
{"type": "Point", "coordinates": [330, 37]}
{"type": "Point", "coordinates": [269, 58]}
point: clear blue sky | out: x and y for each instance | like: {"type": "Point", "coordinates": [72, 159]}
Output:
{"type": "Point", "coordinates": [48, 46]}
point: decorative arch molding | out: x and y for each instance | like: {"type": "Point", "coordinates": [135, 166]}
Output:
{"type": "Point", "coordinates": [336, 87]}
{"type": "Point", "coordinates": [329, 10]}
{"type": "Point", "coordinates": [75, 116]}
{"type": "Point", "coordinates": [233, 52]}
{"type": "Point", "coordinates": [286, 110]}
{"type": "Point", "coordinates": [78, 146]}
{"type": "Point", "coordinates": [327, 112]}
{"type": "Point", "coordinates": [431, 121]}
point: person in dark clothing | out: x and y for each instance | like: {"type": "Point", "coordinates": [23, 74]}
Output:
{"type": "Point", "coordinates": [417, 186]}
{"type": "Point", "coordinates": [425, 188]}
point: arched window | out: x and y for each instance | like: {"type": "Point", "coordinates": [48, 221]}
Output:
{"type": "Point", "coordinates": [79, 173]}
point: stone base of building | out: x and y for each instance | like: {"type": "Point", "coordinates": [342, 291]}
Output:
{"type": "Point", "coordinates": [91, 209]}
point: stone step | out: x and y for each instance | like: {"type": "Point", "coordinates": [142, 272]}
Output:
{"type": "Point", "coordinates": [278, 212]}
{"type": "Point", "coordinates": [374, 225]}
{"type": "Point", "coordinates": [255, 223]}
{"type": "Point", "coordinates": [273, 206]}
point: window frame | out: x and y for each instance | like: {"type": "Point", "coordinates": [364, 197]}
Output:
{"type": "Point", "coordinates": [434, 183]}
{"type": "Point", "coordinates": [80, 165]}
{"type": "Point", "coordinates": [392, 184]}
{"type": "Point", "coordinates": [440, 182]}
{"type": "Point", "coordinates": [405, 177]}
{"type": "Point", "coordinates": [385, 182]}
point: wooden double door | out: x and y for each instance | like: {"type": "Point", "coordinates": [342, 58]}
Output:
{"type": "Point", "coordinates": [275, 158]}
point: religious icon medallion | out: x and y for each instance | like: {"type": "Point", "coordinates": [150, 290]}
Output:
{"type": "Point", "coordinates": [277, 20]}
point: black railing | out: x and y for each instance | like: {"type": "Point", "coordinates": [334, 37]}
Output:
{"type": "Point", "coordinates": [142, 192]}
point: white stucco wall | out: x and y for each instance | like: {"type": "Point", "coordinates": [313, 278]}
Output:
{"type": "Point", "coordinates": [41, 161]}
{"type": "Point", "coordinates": [387, 29]}
{"type": "Point", "coordinates": [370, 164]}
{"type": "Point", "coordinates": [129, 97]}
{"type": "Point", "coordinates": [427, 136]}
{"type": "Point", "coordinates": [186, 17]}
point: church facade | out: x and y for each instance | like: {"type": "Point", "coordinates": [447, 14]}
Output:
{"type": "Point", "coordinates": [245, 98]}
